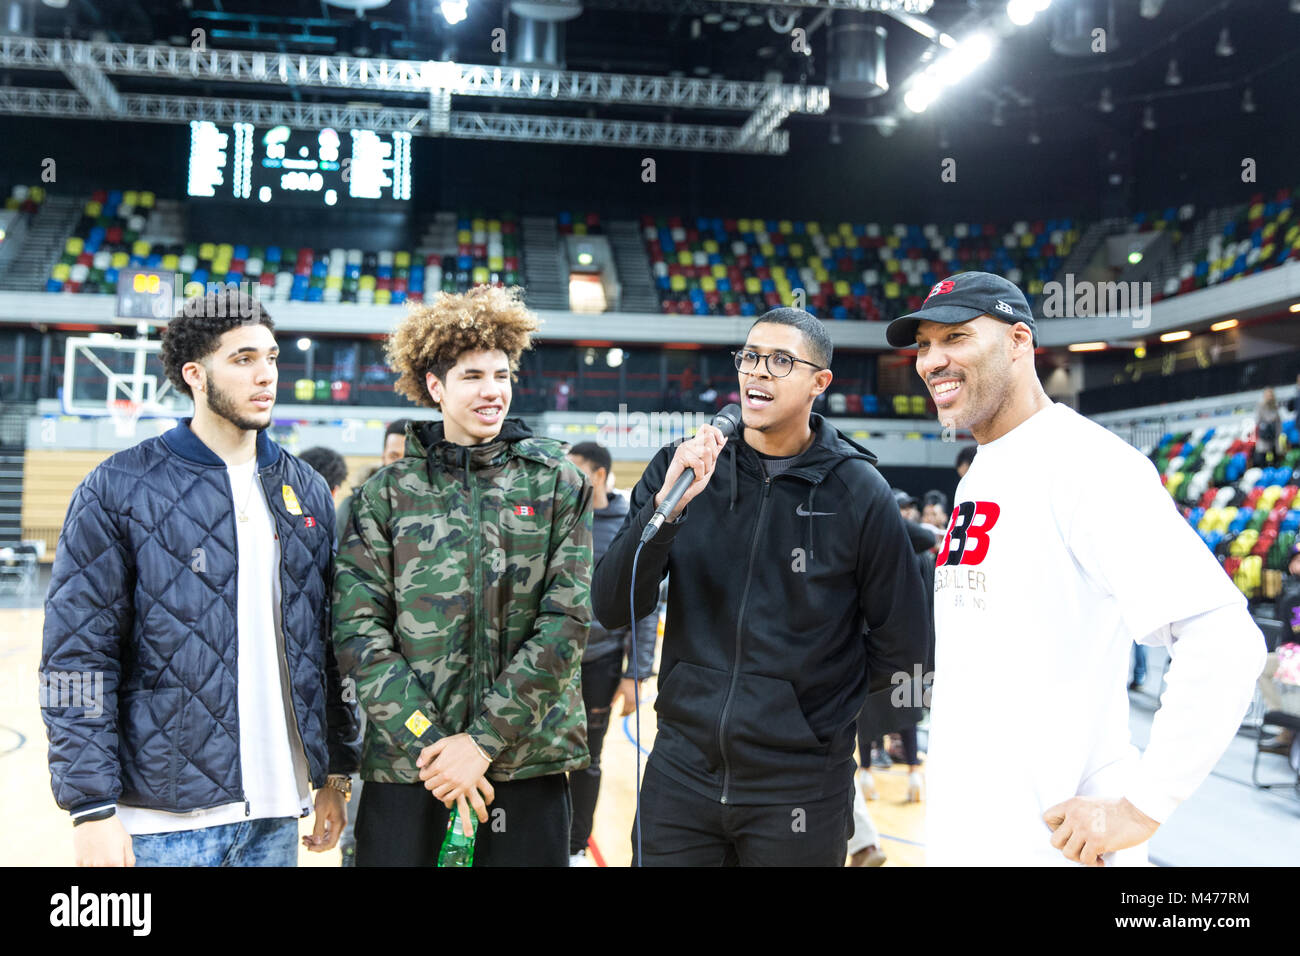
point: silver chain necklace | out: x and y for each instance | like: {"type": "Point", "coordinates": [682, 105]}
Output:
{"type": "Point", "coordinates": [242, 512]}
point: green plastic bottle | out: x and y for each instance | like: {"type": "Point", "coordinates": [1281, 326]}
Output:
{"type": "Point", "coordinates": [458, 849]}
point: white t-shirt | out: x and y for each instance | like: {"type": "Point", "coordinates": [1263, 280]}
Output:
{"type": "Point", "coordinates": [271, 758]}
{"type": "Point", "coordinates": [1062, 550]}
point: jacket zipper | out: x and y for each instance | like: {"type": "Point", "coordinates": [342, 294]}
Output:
{"type": "Point", "coordinates": [475, 562]}
{"type": "Point", "coordinates": [284, 643]}
{"type": "Point", "coordinates": [234, 527]}
{"type": "Point", "coordinates": [740, 625]}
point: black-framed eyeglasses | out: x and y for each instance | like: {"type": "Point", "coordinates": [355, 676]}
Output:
{"type": "Point", "coordinates": [779, 364]}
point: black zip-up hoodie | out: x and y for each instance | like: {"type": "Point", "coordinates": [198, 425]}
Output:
{"type": "Point", "coordinates": [786, 597]}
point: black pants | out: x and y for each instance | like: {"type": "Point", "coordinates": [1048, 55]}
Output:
{"type": "Point", "coordinates": [681, 828]}
{"type": "Point", "coordinates": [599, 681]}
{"type": "Point", "coordinates": [403, 824]}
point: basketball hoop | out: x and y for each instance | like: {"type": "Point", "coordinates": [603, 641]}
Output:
{"type": "Point", "coordinates": [125, 413]}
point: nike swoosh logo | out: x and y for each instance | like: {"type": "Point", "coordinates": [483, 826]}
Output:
{"type": "Point", "coordinates": [812, 514]}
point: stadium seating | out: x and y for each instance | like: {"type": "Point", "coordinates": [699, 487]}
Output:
{"type": "Point", "coordinates": [1266, 234]}
{"type": "Point", "coordinates": [847, 270]}
{"type": "Point", "coordinates": [1249, 517]}
{"type": "Point", "coordinates": [26, 199]}
{"type": "Point", "coordinates": [104, 241]}
{"type": "Point", "coordinates": [487, 253]}
{"type": "Point", "coordinates": [108, 239]}
{"type": "Point", "coordinates": [701, 266]}
{"type": "Point", "coordinates": [581, 224]}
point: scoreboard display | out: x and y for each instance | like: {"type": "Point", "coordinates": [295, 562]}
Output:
{"type": "Point", "coordinates": [144, 295]}
{"type": "Point", "coordinates": [324, 167]}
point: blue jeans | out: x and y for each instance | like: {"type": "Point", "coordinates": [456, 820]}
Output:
{"type": "Point", "coordinates": [1139, 664]}
{"type": "Point", "coordinates": [266, 842]}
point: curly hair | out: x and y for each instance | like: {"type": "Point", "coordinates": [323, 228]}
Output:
{"type": "Point", "coordinates": [433, 336]}
{"type": "Point", "coordinates": [193, 333]}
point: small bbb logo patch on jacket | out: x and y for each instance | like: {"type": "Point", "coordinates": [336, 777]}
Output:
{"type": "Point", "coordinates": [309, 522]}
{"type": "Point", "coordinates": [290, 500]}
{"type": "Point", "coordinates": [525, 511]}
{"type": "Point", "coordinates": [417, 723]}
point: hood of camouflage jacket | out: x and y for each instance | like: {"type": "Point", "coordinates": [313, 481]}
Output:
{"type": "Point", "coordinates": [429, 440]}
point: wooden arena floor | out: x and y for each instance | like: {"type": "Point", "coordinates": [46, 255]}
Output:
{"type": "Point", "coordinates": [35, 832]}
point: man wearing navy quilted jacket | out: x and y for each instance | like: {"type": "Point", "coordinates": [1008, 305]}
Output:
{"type": "Point", "coordinates": [192, 584]}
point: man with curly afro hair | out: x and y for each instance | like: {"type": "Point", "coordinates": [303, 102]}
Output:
{"type": "Point", "coordinates": [462, 604]}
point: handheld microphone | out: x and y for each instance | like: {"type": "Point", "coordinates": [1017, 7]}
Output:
{"type": "Point", "coordinates": [726, 421]}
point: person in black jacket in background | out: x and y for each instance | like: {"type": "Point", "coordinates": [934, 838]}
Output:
{"type": "Point", "coordinates": [792, 591]}
{"type": "Point", "coordinates": [900, 712]}
{"type": "Point", "coordinates": [605, 679]}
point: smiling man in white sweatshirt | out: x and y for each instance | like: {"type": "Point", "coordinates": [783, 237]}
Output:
{"type": "Point", "coordinates": [1062, 549]}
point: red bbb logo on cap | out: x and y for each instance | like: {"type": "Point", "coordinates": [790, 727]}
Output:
{"type": "Point", "coordinates": [525, 511]}
{"type": "Point", "coordinates": [940, 288]}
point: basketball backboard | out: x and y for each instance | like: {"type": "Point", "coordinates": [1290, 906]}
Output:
{"type": "Point", "coordinates": [110, 375]}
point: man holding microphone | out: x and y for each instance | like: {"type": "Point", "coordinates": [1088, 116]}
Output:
{"type": "Point", "coordinates": [792, 592]}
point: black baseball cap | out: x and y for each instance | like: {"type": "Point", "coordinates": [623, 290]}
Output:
{"type": "Point", "coordinates": [903, 498]}
{"type": "Point", "coordinates": [960, 298]}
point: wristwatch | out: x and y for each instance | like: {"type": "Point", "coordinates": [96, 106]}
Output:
{"type": "Point", "coordinates": [342, 783]}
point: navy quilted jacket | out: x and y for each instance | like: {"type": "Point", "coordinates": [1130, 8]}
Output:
{"type": "Point", "coordinates": [144, 592]}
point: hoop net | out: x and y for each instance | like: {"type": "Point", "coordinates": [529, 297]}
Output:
{"type": "Point", "coordinates": [125, 414]}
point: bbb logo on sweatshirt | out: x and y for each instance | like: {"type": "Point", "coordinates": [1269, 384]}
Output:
{"type": "Point", "coordinates": [968, 540]}
{"type": "Point", "coordinates": [967, 543]}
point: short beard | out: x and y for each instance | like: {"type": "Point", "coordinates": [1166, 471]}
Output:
{"type": "Point", "coordinates": [220, 403]}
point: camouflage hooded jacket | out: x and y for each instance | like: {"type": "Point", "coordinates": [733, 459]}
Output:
{"type": "Point", "coordinates": [462, 603]}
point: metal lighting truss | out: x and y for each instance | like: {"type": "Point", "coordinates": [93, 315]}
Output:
{"type": "Point", "coordinates": [460, 125]}
{"type": "Point", "coordinates": [698, 7]}
{"type": "Point", "coordinates": [89, 65]}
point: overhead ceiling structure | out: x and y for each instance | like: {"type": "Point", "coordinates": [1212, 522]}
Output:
{"type": "Point", "coordinates": [732, 76]}
{"type": "Point", "coordinates": [89, 66]}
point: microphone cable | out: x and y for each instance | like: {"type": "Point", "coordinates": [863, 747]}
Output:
{"type": "Point", "coordinates": [636, 693]}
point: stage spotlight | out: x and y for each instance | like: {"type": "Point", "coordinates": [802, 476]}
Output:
{"type": "Point", "coordinates": [918, 98]}
{"type": "Point", "coordinates": [963, 61]}
{"type": "Point", "coordinates": [1248, 101]}
{"type": "Point", "coordinates": [1172, 76]}
{"type": "Point", "coordinates": [1020, 12]}
{"type": "Point", "coordinates": [1105, 104]}
{"type": "Point", "coordinates": [1073, 27]}
{"type": "Point", "coordinates": [857, 59]}
{"type": "Point", "coordinates": [454, 11]}
{"type": "Point", "coordinates": [1224, 47]}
